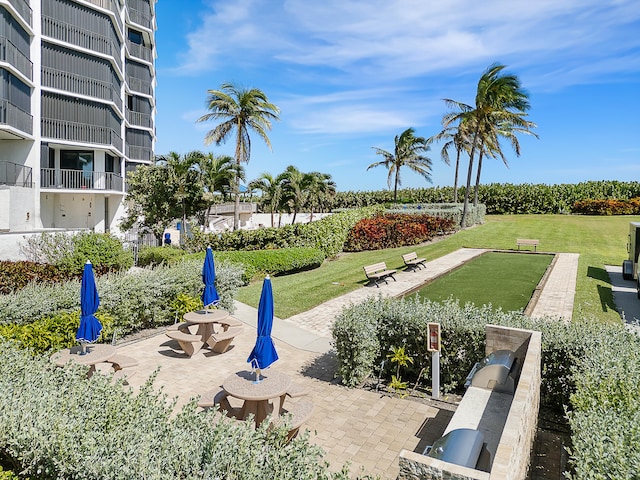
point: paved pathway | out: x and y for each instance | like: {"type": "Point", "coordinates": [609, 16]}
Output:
{"type": "Point", "coordinates": [351, 425]}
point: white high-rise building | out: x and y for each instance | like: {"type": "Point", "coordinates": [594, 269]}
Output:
{"type": "Point", "coordinates": [77, 110]}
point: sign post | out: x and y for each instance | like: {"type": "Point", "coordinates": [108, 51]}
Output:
{"type": "Point", "coordinates": [433, 346]}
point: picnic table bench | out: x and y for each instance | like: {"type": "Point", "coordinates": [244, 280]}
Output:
{"type": "Point", "coordinates": [377, 272]}
{"type": "Point", "coordinates": [527, 242]}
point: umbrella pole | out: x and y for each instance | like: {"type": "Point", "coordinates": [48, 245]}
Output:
{"type": "Point", "coordinates": [83, 348]}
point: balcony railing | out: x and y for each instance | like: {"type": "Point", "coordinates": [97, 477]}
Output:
{"type": "Point", "coordinates": [23, 8]}
{"type": "Point", "coordinates": [139, 119]}
{"type": "Point", "coordinates": [71, 82]}
{"type": "Point", "coordinates": [140, 51]}
{"type": "Point", "coordinates": [80, 132]}
{"type": "Point", "coordinates": [229, 208]}
{"type": "Point", "coordinates": [80, 180]}
{"type": "Point", "coordinates": [15, 175]}
{"type": "Point", "coordinates": [69, 33]}
{"type": "Point", "coordinates": [109, 5]}
{"type": "Point", "coordinates": [15, 117]}
{"type": "Point", "coordinates": [139, 85]}
{"type": "Point", "coordinates": [140, 18]}
{"type": "Point", "coordinates": [134, 152]}
{"type": "Point", "coordinates": [9, 53]}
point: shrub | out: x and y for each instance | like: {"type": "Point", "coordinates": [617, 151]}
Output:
{"type": "Point", "coordinates": [450, 211]}
{"type": "Point", "coordinates": [607, 207]}
{"type": "Point", "coordinates": [151, 256]}
{"type": "Point", "coordinates": [70, 252]}
{"type": "Point", "coordinates": [394, 230]}
{"type": "Point", "coordinates": [135, 300]}
{"type": "Point", "coordinates": [56, 423]}
{"type": "Point", "coordinates": [17, 275]}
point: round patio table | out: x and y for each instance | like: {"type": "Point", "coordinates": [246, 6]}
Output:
{"type": "Point", "coordinates": [205, 319]}
{"type": "Point", "coordinates": [96, 353]}
{"type": "Point", "coordinates": [256, 395]}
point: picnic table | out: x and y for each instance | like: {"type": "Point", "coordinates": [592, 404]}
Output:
{"type": "Point", "coordinates": [256, 395]}
{"type": "Point", "coordinates": [96, 353]}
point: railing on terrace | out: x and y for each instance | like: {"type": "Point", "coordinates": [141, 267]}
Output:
{"type": "Point", "coordinates": [23, 8]}
{"type": "Point", "coordinates": [15, 175]}
{"type": "Point", "coordinates": [69, 33]}
{"type": "Point", "coordinates": [9, 53]}
{"type": "Point", "coordinates": [134, 152]}
{"type": "Point", "coordinates": [109, 5]}
{"type": "Point", "coordinates": [140, 18]}
{"type": "Point", "coordinates": [139, 85]}
{"type": "Point", "coordinates": [15, 117]}
{"type": "Point", "coordinates": [80, 132]}
{"type": "Point", "coordinates": [71, 82]}
{"type": "Point", "coordinates": [78, 179]}
{"type": "Point", "coordinates": [229, 208]}
{"type": "Point", "coordinates": [139, 119]}
{"type": "Point", "coordinates": [140, 51]}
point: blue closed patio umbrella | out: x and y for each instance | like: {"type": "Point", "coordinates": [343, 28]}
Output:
{"type": "Point", "coordinates": [210, 294]}
{"type": "Point", "coordinates": [90, 327]}
{"type": "Point", "coordinates": [264, 352]}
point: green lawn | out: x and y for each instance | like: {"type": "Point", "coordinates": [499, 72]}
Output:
{"type": "Point", "coordinates": [504, 280]}
{"type": "Point", "coordinates": [598, 240]}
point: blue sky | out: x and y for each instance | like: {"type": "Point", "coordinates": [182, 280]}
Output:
{"type": "Point", "coordinates": [351, 75]}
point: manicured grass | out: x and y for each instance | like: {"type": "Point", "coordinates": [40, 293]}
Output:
{"type": "Point", "coordinates": [598, 240]}
{"type": "Point", "coordinates": [504, 280]}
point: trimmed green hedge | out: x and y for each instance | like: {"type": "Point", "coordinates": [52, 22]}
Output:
{"type": "Point", "coordinates": [588, 368]}
{"type": "Point", "coordinates": [56, 423]}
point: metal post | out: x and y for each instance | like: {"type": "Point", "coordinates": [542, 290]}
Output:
{"type": "Point", "coordinates": [435, 375]}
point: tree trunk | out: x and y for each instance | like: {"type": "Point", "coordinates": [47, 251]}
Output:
{"type": "Point", "coordinates": [475, 194]}
{"type": "Point", "coordinates": [395, 189]}
{"type": "Point", "coordinates": [272, 218]}
{"type": "Point", "coordinates": [455, 179]}
{"type": "Point", "coordinates": [236, 207]}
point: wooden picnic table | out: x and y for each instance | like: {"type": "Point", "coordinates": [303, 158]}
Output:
{"type": "Point", "coordinates": [256, 395]}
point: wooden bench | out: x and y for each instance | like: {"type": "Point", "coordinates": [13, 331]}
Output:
{"type": "Point", "coordinates": [221, 341]}
{"type": "Point", "coordinates": [377, 272]}
{"type": "Point", "coordinates": [188, 342]}
{"type": "Point", "coordinates": [412, 261]}
{"type": "Point", "coordinates": [527, 242]}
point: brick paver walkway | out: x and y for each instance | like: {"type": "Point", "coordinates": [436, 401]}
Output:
{"type": "Point", "coordinates": [351, 425]}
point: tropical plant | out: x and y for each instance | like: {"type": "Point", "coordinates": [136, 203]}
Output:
{"type": "Point", "coordinates": [320, 192]}
{"type": "Point", "coordinates": [407, 153]}
{"type": "Point", "coordinates": [217, 175]}
{"type": "Point", "coordinates": [271, 188]}
{"type": "Point", "coordinates": [242, 111]}
{"type": "Point", "coordinates": [294, 190]}
{"type": "Point", "coordinates": [499, 110]}
{"type": "Point", "coordinates": [457, 137]}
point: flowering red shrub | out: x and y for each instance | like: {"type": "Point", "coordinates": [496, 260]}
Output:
{"type": "Point", "coordinates": [607, 207]}
{"type": "Point", "coordinates": [395, 230]}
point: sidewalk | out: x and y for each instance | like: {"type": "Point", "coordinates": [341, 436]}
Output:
{"type": "Point", "coordinates": [358, 426]}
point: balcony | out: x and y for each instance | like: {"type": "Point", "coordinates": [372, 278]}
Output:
{"type": "Point", "coordinates": [64, 179]}
{"type": "Point", "coordinates": [90, 87]}
{"type": "Point", "coordinates": [109, 5]}
{"type": "Point", "coordinates": [13, 116]}
{"type": "Point", "coordinates": [9, 53]}
{"type": "Point", "coordinates": [134, 152]}
{"type": "Point", "coordinates": [80, 132]}
{"type": "Point", "coordinates": [23, 8]}
{"type": "Point", "coordinates": [15, 175]}
{"type": "Point", "coordinates": [87, 39]}
{"type": "Point", "coordinates": [140, 86]}
{"type": "Point", "coordinates": [140, 51]}
{"type": "Point", "coordinates": [140, 18]}
{"type": "Point", "coordinates": [139, 119]}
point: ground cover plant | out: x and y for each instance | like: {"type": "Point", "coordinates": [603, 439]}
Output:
{"type": "Point", "coordinates": [513, 275]}
{"type": "Point", "coordinates": [599, 241]}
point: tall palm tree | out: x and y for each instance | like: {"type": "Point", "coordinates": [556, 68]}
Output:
{"type": "Point", "coordinates": [500, 102]}
{"type": "Point", "coordinates": [458, 138]}
{"type": "Point", "coordinates": [218, 175]}
{"type": "Point", "coordinates": [294, 190]}
{"type": "Point", "coordinates": [320, 189]}
{"type": "Point", "coordinates": [271, 188]}
{"type": "Point", "coordinates": [407, 153]}
{"type": "Point", "coordinates": [241, 111]}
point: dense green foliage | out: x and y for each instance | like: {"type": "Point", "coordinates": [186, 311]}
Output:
{"type": "Point", "coordinates": [501, 198]}
{"type": "Point", "coordinates": [90, 428]}
{"type": "Point", "coordinates": [17, 275]}
{"type": "Point", "coordinates": [450, 211]}
{"type": "Point", "coordinates": [579, 372]}
{"type": "Point", "coordinates": [327, 235]}
{"type": "Point", "coordinates": [391, 230]}
{"type": "Point", "coordinates": [70, 252]}
{"type": "Point", "coordinates": [135, 300]}
{"type": "Point", "coordinates": [607, 207]}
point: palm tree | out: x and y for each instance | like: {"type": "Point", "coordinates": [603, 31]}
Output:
{"type": "Point", "coordinates": [218, 174]}
{"type": "Point", "coordinates": [242, 111]}
{"type": "Point", "coordinates": [271, 188]}
{"type": "Point", "coordinates": [457, 137]}
{"type": "Point", "coordinates": [407, 153]}
{"type": "Point", "coordinates": [294, 190]}
{"type": "Point", "coordinates": [320, 188]}
{"type": "Point", "coordinates": [499, 107]}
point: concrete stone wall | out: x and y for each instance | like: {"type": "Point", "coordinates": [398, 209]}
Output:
{"type": "Point", "coordinates": [512, 457]}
